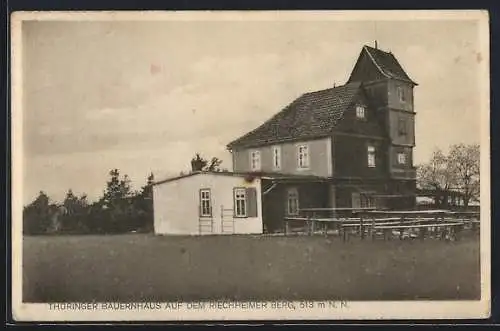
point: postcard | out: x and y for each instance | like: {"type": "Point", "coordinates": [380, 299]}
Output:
{"type": "Point", "coordinates": [250, 165]}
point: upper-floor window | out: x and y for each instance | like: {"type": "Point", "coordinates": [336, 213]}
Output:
{"type": "Point", "coordinates": [360, 111]}
{"type": "Point", "coordinates": [205, 203]}
{"type": "Point", "coordinates": [402, 127]}
{"type": "Point", "coordinates": [276, 157]}
{"type": "Point", "coordinates": [402, 94]}
{"type": "Point", "coordinates": [371, 156]}
{"type": "Point", "coordinates": [254, 160]}
{"type": "Point", "coordinates": [303, 156]}
{"type": "Point", "coordinates": [401, 158]}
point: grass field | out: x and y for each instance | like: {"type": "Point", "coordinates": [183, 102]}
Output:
{"type": "Point", "coordinates": [154, 268]}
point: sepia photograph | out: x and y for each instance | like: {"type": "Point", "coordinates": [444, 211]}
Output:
{"type": "Point", "coordinates": [250, 165]}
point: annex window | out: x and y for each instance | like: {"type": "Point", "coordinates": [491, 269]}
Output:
{"type": "Point", "coordinates": [371, 156]}
{"type": "Point", "coordinates": [292, 205]}
{"type": "Point", "coordinates": [401, 158]}
{"type": "Point", "coordinates": [240, 202]}
{"type": "Point", "coordinates": [402, 128]}
{"type": "Point", "coordinates": [254, 160]}
{"type": "Point", "coordinates": [276, 157]}
{"type": "Point", "coordinates": [205, 203]}
{"type": "Point", "coordinates": [360, 111]}
{"type": "Point", "coordinates": [401, 94]}
{"type": "Point", "coordinates": [303, 156]}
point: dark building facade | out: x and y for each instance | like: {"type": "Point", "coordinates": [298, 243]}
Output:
{"type": "Point", "coordinates": [359, 137]}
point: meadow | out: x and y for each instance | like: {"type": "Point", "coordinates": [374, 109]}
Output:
{"type": "Point", "coordinates": [144, 267]}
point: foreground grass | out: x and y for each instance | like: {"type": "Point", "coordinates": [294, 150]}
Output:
{"type": "Point", "coordinates": [151, 268]}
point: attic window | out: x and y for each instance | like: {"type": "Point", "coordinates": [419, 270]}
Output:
{"type": "Point", "coordinates": [360, 112]}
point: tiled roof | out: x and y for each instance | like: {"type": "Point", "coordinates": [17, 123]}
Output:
{"type": "Point", "coordinates": [387, 63]}
{"type": "Point", "coordinates": [314, 114]}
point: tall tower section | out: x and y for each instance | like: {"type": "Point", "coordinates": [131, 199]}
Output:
{"type": "Point", "coordinates": [391, 94]}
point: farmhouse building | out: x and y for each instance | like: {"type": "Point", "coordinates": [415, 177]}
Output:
{"type": "Point", "coordinates": [349, 146]}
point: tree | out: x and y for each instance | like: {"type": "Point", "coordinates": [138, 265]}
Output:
{"type": "Point", "coordinates": [464, 163]}
{"type": "Point", "coordinates": [36, 215]}
{"type": "Point", "coordinates": [198, 163]}
{"type": "Point", "coordinates": [75, 212]}
{"type": "Point", "coordinates": [143, 204]}
{"type": "Point", "coordinates": [457, 171]}
{"type": "Point", "coordinates": [115, 207]}
{"type": "Point", "coordinates": [436, 176]}
{"type": "Point", "coordinates": [117, 190]}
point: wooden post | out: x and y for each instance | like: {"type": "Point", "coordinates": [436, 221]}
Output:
{"type": "Point", "coordinates": [343, 230]}
{"type": "Point", "coordinates": [361, 227]}
{"type": "Point", "coordinates": [401, 229]}
{"type": "Point", "coordinates": [313, 223]}
{"type": "Point", "coordinates": [371, 231]}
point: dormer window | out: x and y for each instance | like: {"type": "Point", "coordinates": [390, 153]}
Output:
{"type": "Point", "coordinates": [360, 111]}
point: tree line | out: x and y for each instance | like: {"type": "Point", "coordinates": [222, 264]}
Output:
{"type": "Point", "coordinates": [119, 210]}
{"type": "Point", "coordinates": [456, 172]}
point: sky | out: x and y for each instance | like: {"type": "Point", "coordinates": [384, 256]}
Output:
{"type": "Point", "coordinates": [144, 96]}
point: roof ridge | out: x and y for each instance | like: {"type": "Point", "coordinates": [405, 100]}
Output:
{"type": "Point", "coordinates": [348, 84]}
{"type": "Point", "coordinates": [366, 48]}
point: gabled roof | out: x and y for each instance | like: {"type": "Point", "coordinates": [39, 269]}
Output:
{"type": "Point", "coordinates": [313, 115]}
{"type": "Point", "coordinates": [387, 64]}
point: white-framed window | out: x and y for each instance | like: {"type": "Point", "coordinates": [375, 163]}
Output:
{"type": "Point", "coordinates": [240, 202]}
{"type": "Point", "coordinates": [371, 157]}
{"type": "Point", "coordinates": [401, 158]}
{"type": "Point", "coordinates": [292, 201]}
{"type": "Point", "coordinates": [360, 111]}
{"type": "Point", "coordinates": [401, 94]}
{"type": "Point", "coordinates": [205, 202]}
{"type": "Point", "coordinates": [254, 160]}
{"type": "Point", "coordinates": [303, 156]}
{"type": "Point", "coordinates": [277, 157]}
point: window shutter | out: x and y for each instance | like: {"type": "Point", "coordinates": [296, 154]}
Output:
{"type": "Point", "coordinates": [251, 202]}
{"type": "Point", "coordinates": [234, 204]}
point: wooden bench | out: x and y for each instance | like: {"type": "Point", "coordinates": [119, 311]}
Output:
{"type": "Point", "coordinates": [401, 227]}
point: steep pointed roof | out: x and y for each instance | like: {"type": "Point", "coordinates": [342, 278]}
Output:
{"type": "Point", "coordinates": [387, 64]}
{"type": "Point", "coordinates": [312, 115]}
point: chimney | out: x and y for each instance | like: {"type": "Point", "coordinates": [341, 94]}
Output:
{"type": "Point", "coordinates": [376, 45]}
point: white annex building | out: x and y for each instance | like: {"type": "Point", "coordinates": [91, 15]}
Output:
{"type": "Point", "coordinates": [208, 203]}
